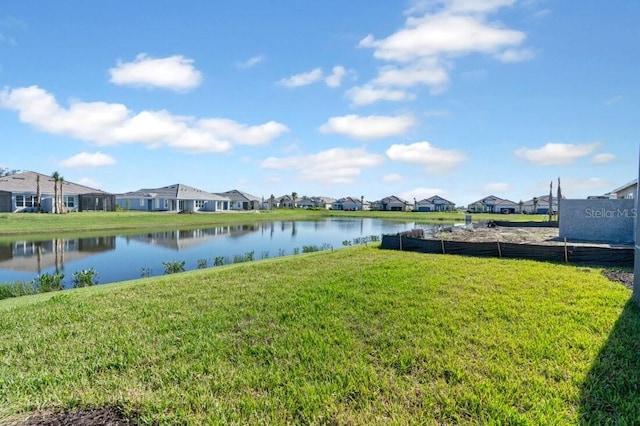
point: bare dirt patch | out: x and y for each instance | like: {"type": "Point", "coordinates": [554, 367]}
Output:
{"type": "Point", "coordinates": [109, 416]}
{"type": "Point", "coordinates": [622, 277]}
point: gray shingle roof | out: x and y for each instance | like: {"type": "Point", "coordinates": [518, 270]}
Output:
{"type": "Point", "coordinates": [26, 182]}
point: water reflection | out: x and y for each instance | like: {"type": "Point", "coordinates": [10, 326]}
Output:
{"type": "Point", "coordinates": [36, 256]}
{"type": "Point", "coordinates": [122, 257]}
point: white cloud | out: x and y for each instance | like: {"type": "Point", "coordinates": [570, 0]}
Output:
{"type": "Point", "coordinates": [515, 55]}
{"type": "Point", "coordinates": [421, 193]}
{"type": "Point", "coordinates": [497, 187]}
{"type": "Point", "coordinates": [337, 165]}
{"type": "Point", "coordinates": [337, 74]}
{"type": "Point", "coordinates": [114, 124]}
{"type": "Point", "coordinates": [365, 95]}
{"type": "Point", "coordinates": [434, 160]}
{"type": "Point", "coordinates": [603, 158]}
{"type": "Point", "coordinates": [369, 127]}
{"type": "Point", "coordinates": [443, 34]}
{"type": "Point", "coordinates": [173, 73]}
{"type": "Point", "coordinates": [392, 178]}
{"type": "Point", "coordinates": [579, 188]}
{"type": "Point", "coordinates": [428, 71]}
{"type": "Point", "coordinates": [251, 62]}
{"type": "Point", "coordinates": [91, 183]}
{"type": "Point", "coordinates": [556, 153]}
{"type": "Point", "coordinates": [613, 100]}
{"type": "Point", "coordinates": [88, 160]}
{"type": "Point", "coordinates": [242, 134]}
{"type": "Point", "coordinates": [435, 33]}
{"type": "Point", "coordinates": [302, 79]}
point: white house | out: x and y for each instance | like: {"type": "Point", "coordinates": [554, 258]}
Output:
{"type": "Point", "coordinates": [628, 191]}
{"type": "Point", "coordinates": [173, 198]}
{"type": "Point", "coordinates": [349, 204]}
{"type": "Point", "coordinates": [392, 203]}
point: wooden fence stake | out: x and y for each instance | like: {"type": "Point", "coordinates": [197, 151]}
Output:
{"type": "Point", "coordinates": [442, 242]}
{"type": "Point", "coordinates": [566, 253]}
{"type": "Point", "coordinates": [499, 250]}
{"type": "Point", "coordinates": [400, 242]}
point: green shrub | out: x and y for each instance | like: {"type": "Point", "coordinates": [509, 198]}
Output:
{"type": "Point", "coordinates": [173, 267]}
{"type": "Point", "coordinates": [48, 282]}
{"type": "Point", "coordinates": [85, 278]}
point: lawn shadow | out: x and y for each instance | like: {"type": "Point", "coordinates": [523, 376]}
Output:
{"type": "Point", "coordinates": [611, 391]}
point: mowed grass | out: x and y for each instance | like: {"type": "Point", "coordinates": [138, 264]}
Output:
{"type": "Point", "coordinates": [357, 336]}
{"type": "Point", "coordinates": [13, 224]}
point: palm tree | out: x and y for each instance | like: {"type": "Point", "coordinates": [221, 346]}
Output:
{"type": "Point", "coordinates": [294, 197]}
{"type": "Point", "coordinates": [535, 205]}
{"type": "Point", "coordinates": [37, 193]}
{"type": "Point", "coordinates": [272, 202]}
{"type": "Point", "coordinates": [362, 202]}
{"type": "Point", "coordinates": [520, 204]}
{"type": "Point", "coordinates": [62, 206]}
{"type": "Point", "coordinates": [56, 179]}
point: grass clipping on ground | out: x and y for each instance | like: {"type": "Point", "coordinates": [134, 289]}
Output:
{"type": "Point", "coordinates": [355, 336]}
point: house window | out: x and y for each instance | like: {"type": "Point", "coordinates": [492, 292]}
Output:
{"type": "Point", "coordinates": [166, 204]}
{"type": "Point", "coordinates": [70, 201]}
{"type": "Point", "coordinates": [19, 200]}
{"type": "Point", "coordinates": [199, 204]}
{"type": "Point", "coordinates": [141, 202]}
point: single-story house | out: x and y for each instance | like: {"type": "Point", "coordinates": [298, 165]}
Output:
{"type": "Point", "coordinates": [493, 204]}
{"type": "Point", "coordinates": [626, 191]}
{"type": "Point", "coordinates": [540, 205]}
{"type": "Point", "coordinates": [31, 191]}
{"type": "Point", "coordinates": [315, 202]}
{"type": "Point", "coordinates": [392, 203]}
{"type": "Point", "coordinates": [173, 198]}
{"type": "Point", "coordinates": [242, 200]}
{"type": "Point", "coordinates": [286, 202]}
{"type": "Point", "coordinates": [350, 204]}
{"type": "Point", "coordinates": [435, 204]}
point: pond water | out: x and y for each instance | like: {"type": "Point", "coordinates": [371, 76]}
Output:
{"type": "Point", "coordinates": [124, 257]}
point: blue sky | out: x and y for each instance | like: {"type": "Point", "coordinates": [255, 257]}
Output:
{"type": "Point", "coordinates": [460, 98]}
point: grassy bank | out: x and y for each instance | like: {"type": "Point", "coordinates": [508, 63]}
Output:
{"type": "Point", "coordinates": [356, 336]}
{"type": "Point", "coordinates": [12, 224]}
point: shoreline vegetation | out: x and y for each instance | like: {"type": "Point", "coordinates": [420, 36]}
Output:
{"type": "Point", "coordinates": [355, 336]}
{"type": "Point", "coordinates": [358, 336]}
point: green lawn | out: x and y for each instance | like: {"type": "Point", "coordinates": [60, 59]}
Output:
{"type": "Point", "coordinates": [356, 336]}
{"type": "Point", "coordinates": [12, 224]}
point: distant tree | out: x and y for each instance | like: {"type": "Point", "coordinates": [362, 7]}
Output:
{"type": "Point", "coordinates": [56, 179]}
{"type": "Point", "coordinates": [272, 201]}
{"type": "Point", "coordinates": [38, 193]}
{"type": "Point", "coordinates": [362, 202]}
{"type": "Point", "coordinates": [62, 204]}
{"type": "Point", "coordinates": [294, 197]}
{"type": "Point", "coordinates": [521, 205]}
{"type": "Point", "coordinates": [535, 205]}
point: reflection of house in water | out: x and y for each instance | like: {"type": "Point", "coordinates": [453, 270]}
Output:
{"type": "Point", "coordinates": [38, 255]}
{"type": "Point", "coordinates": [182, 239]}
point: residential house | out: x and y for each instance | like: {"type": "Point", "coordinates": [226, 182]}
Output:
{"type": "Point", "coordinates": [350, 204]}
{"type": "Point", "coordinates": [19, 192]}
{"type": "Point", "coordinates": [435, 204]}
{"type": "Point", "coordinates": [626, 191]}
{"type": "Point", "coordinates": [173, 198]}
{"type": "Point", "coordinates": [392, 203]}
{"type": "Point", "coordinates": [315, 202]}
{"type": "Point", "coordinates": [286, 202]}
{"type": "Point", "coordinates": [242, 200]}
{"type": "Point", "coordinates": [493, 204]}
{"type": "Point", "coordinates": [539, 205]}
